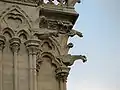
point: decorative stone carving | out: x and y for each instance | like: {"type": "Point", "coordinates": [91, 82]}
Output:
{"type": "Point", "coordinates": [58, 25]}
{"type": "Point", "coordinates": [16, 20]}
{"type": "Point", "coordinates": [74, 32]}
{"type": "Point", "coordinates": [45, 2]}
{"type": "Point", "coordinates": [46, 35]}
{"type": "Point", "coordinates": [15, 46]}
{"type": "Point", "coordinates": [70, 45]}
{"type": "Point", "coordinates": [38, 60]}
{"type": "Point", "coordinates": [72, 2]}
{"type": "Point", "coordinates": [45, 39]}
{"type": "Point", "coordinates": [2, 45]}
{"type": "Point", "coordinates": [2, 42]}
{"type": "Point", "coordinates": [69, 59]}
{"type": "Point", "coordinates": [62, 73]}
{"type": "Point", "coordinates": [22, 1]}
{"type": "Point", "coordinates": [32, 47]}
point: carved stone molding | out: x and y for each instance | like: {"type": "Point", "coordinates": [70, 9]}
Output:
{"type": "Point", "coordinates": [15, 21]}
{"type": "Point", "coordinates": [62, 73]}
{"type": "Point", "coordinates": [32, 45]}
{"type": "Point", "coordinates": [15, 47]}
{"type": "Point", "coordinates": [2, 42]}
{"type": "Point", "coordinates": [15, 44]}
{"type": "Point", "coordinates": [62, 3]}
{"type": "Point", "coordinates": [59, 25]}
{"type": "Point", "coordinates": [23, 2]}
{"type": "Point", "coordinates": [33, 49]}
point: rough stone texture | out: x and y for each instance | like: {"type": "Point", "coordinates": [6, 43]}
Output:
{"type": "Point", "coordinates": [33, 44]}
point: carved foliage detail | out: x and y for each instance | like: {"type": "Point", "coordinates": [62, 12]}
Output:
{"type": "Point", "coordinates": [62, 26]}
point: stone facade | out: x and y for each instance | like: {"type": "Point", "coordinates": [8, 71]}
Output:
{"type": "Point", "coordinates": [33, 44]}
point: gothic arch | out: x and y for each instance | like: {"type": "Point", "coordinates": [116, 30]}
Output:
{"type": "Point", "coordinates": [58, 47]}
{"type": "Point", "coordinates": [23, 32]}
{"type": "Point", "coordinates": [18, 9]}
{"type": "Point", "coordinates": [48, 45]}
{"type": "Point", "coordinates": [54, 61]}
{"type": "Point", "coordinates": [9, 31]}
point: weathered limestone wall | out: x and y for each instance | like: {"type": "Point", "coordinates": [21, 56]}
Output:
{"type": "Point", "coordinates": [7, 68]}
{"type": "Point", "coordinates": [46, 78]}
{"type": "Point", "coordinates": [23, 68]}
{"type": "Point", "coordinates": [33, 44]}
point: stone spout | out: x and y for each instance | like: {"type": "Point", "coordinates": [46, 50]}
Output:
{"type": "Point", "coordinates": [75, 32]}
{"type": "Point", "coordinates": [69, 59]}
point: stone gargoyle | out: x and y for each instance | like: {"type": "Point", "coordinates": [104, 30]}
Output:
{"type": "Point", "coordinates": [74, 32]}
{"type": "Point", "coordinates": [69, 59]}
{"type": "Point", "coordinates": [72, 2]}
{"type": "Point", "coordinates": [45, 35]}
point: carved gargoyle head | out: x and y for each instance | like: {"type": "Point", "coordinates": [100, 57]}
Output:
{"type": "Point", "coordinates": [83, 58]}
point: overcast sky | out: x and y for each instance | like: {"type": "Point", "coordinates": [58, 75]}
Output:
{"type": "Point", "coordinates": [99, 22]}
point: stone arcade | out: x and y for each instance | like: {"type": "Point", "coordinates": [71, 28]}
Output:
{"type": "Point", "coordinates": [33, 43]}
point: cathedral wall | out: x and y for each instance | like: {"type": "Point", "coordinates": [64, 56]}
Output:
{"type": "Point", "coordinates": [46, 76]}
{"type": "Point", "coordinates": [7, 68]}
{"type": "Point", "coordinates": [23, 68]}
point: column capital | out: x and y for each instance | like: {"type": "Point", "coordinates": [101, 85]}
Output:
{"type": "Point", "coordinates": [32, 46]}
{"type": "Point", "coordinates": [2, 42]}
{"type": "Point", "coordinates": [15, 44]}
{"type": "Point", "coordinates": [62, 73]}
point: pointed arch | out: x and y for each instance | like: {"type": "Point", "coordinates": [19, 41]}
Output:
{"type": "Point", "coordinates": [53, 59]}
{"type": "Point", "coordinates": [48, 45]}
{"type": "Point", "coordinates": [58, 47]}
{"type": "Point", "coordinates": [19, 10]}
{"type": "Point", "coordinates": [23, 32]}
{"type": "Point", "coordinates": [8, 30]}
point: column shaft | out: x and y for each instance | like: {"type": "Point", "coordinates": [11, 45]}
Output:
{"type": "Point", "coordinates": [15, 68]}
{"type": "Point", "coordinates": [2, 43]}
{"type": "Point", "coordinates": [32, 46]}
{"type": "Point", "coordinates": [1, 73]}
{"type": "Point", "coordinates": [34, 72]}
{"type": "Point", "coordinates": [61, 85]}
{"type": "Point", "coordinates": [15, 46]}
{"type": "Point", "coordinates": [30, 71]}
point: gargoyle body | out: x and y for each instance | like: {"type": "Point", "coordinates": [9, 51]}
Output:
{"type": "Point", "coordinates": [45, 35]}
{"type": "Point", "coordinates": [75, 32]}
{"type": "Point", "coordinates": [69, 59]}
{"type": "Point", "coordinates": [73, 2]}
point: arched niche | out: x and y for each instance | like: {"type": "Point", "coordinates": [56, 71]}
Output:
{"type": "Point", "coordinates": [48, 45]}
{"type": "Point", "coordinates": [8, 33]}
{"type": "Point", "coordinates": [46, 76]}
{"type": "Point", "coordinates": [23, 35]}
{"type": "Point", "coordinates": [7, 66]}
{"type": "Point", "coordinates": [23, 77]}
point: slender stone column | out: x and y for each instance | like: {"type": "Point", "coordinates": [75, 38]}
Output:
{"type": "Point", "coordinates": [2, 43]}
{"type": "Point", "coordinates": [35, 69]}
{"type": "Point", "coordinates": [15, 46]}
{"type": "Point", "coordinates": [62, 74]}
{"type": "Point", "coordinates": [32, 46]}
{"type": "Point", "coordinates": [30, 68]}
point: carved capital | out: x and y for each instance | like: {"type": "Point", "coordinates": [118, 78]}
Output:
{"type": "Point", "coordinates": [32, 46]}
{"type": "Point", "coordinates": [62, 73]}
{"type": "Point", "coordinates": [38, 60]}
{"type": "Point", "coordinates": [15, 44]}
{"type": "Point", "coordinates": [2, 42]}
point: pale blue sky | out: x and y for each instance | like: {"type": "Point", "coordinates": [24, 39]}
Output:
{"type": "Point", "coordinates": [100, 23]}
